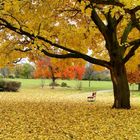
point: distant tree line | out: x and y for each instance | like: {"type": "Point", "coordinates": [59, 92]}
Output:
{"type": "Point", "coordinates": [18, 71]}
{"type": "Point", "coordinates": [28, 71]}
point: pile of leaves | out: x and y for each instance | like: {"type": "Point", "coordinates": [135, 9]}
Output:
{"type": "Point", "coordinates": [45, 116]}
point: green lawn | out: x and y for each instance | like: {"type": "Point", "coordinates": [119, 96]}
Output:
{"type": "Point", "coordinates": [74, 84]}
{"type": "Point", "coordinates": [94, 85]}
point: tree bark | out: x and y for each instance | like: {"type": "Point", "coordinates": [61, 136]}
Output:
{"type": "Point", "coordinates": [138, 86]}
{"type": "Point", "coordinates": [120, 86]}
{"type": "Point", "coordinates": [53, 82]}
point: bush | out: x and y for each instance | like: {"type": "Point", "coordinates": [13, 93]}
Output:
{"type": "Point", "coordinates": [2, 84]}
{"type": "Point", "coordinates": [12, 76]}
{"type": "Point", "coordinates": [63, 84]}
{"type": "Point", "coordinates": [9, 85]}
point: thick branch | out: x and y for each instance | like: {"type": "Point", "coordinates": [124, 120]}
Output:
{"type": "Point", "coordinates": [119, 19]}
{"type": "Point", "coordinates": [78, 55]}
{"type": "Point", "coordinates": [32, 36]}
{"type": "Point", "coordinates": [61, 56]}
{"type": "Point", "coordinates": [135, 45]}
{"type": "Point", "coordinates": [134, 10]}
{"type": "Point", "coordinates": [134, 42]}
{"type": "Point", "coordinates": [8, 25]}
{"type": "Point", "coordinates": [126, 32]}
{"type": "Point", "coordinates": [71, 53]}
{"type": "Point", "coordinates": [135, 21]}
{"type": "Point", "coordinates": [106, 2]}
{"type": "Point", "coordinates": [23, 50]}
{"type": "Point", "coordinates": [101, 26]}
{"type": "Point", "coordinates": [119, 4]}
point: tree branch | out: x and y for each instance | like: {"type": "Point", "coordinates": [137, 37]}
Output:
{"type": "Point", "coordinates": [78, 55]}
{"type": "Point", "coordinates": [71, 53]}
{"type": "Point", "coordinates": [126, 32]}
{"type": "Point", "coordinates": [135, 21]}
{"type": "Point", "coordinates": [106, 2]}
{"type": "Point", "coordinates": [23, 50]}
{"type": "Point", "coordinates": [16, 61]}
{"type": "Point", "coordinates": [99, 23]}
{"type": "Point", "coordinates": [135, 44]}
{"type": "Point", "coordinates": [119, 19]}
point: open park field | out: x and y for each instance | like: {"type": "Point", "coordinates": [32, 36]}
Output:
{"type": "Point", "coordinates": [36, 113]}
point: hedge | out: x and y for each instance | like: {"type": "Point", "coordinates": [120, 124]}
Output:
{"type": "Point", "coordinates": [9, 85]}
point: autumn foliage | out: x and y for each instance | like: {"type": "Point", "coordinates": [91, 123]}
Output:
{"type": "Point", "coordinates": [133, 77]}
{"type": "Point", "coordinates": [73, 72]}
{"type": "Point", "coordinates": [41, 70]}
{"type": "Point", "coordinates": [48, 68]}
{"type": "Point", "coordinates": [65, 115]}
{"type": "Point", "coordinates": [69, 29]}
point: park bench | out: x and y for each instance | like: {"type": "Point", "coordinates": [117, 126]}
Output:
{"type": "Point", "coordinates": [92, 97]}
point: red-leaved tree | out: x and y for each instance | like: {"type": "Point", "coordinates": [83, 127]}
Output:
{"type": "Point", "coordinates": [47, 68]}
{"type": "Point", "coordinates": [73, 72]}
{"type": "Point", "coordinates": [134, 77]}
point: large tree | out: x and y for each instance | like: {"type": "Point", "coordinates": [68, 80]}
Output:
{"type": "Point", "coordinates": [69, 28]}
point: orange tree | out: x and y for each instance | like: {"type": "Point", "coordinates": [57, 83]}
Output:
{"type": "Point", "coordinates": [69, 28]}
{"type": "Point", "coordinates": [73, 72]}
{"type": "Point", "coordinates": [50, 68]}
{"type": "Point", "coordinates": [134, 78]}
{"type": "Point", "coordinates": [46, 69]}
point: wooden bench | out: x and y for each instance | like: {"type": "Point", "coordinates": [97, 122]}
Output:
{"type": "Point", "coordinates": [92, 98]}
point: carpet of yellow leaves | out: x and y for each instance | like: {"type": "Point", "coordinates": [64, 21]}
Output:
{"type": "Point", "coordinates": [62, 115]}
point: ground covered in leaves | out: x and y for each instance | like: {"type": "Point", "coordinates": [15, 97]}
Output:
{"type": "Point", "coordinates": [62, 115]}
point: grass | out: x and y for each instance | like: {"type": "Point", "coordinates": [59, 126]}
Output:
{"type": "Point", "coordinates": [61, 113]}
{"type": "Point", "coordinates": [95, 85]}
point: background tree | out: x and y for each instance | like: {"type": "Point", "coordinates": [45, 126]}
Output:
{"type": "Point", "coordinates": [41, 68]}
{"type": "Point", "coordinates": [68, 29]}
{"type": "Point", "coordinates": [79, 71]}
{"type": "Point", "coordinates": [27, 71]}
{"type": "Point", "coordinates": [18, 71]}
{"type": "Point", "coordinates": [5, 72]}
{"type": "Point", "coordinates": [88, 75]}
{"type": "Point", "coordinates": [134, 76]}
{"type": "Point", "coordinates": [47, 67]}
{"type": "Point", "coordinates": [73, 72]}
{"type": "Point", "coordinates": [24, 70]}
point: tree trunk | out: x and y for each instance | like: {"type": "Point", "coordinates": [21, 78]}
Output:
{"type": "Point", "coordinates": [120, 86]}
{"type": "Point", "coordinates": [89, 83]}
{"type": "Point", "coordinates": [53, 82]}
{"type": "Point", "coordinates": [138, 86]}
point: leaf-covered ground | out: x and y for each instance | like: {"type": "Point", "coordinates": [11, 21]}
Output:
{"type": "Point", "coordinates": [63, 115]}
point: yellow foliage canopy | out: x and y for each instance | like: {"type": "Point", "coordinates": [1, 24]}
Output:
{"type": "Point", "coordinates": [64, 22]}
